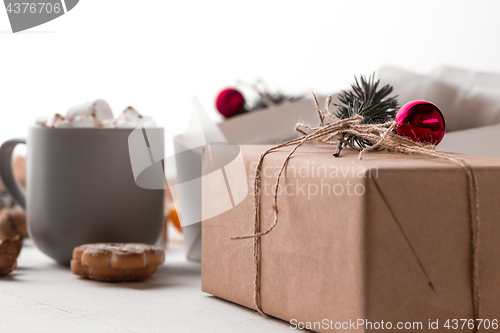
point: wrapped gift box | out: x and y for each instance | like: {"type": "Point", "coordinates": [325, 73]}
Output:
{"type": "Point", "coordinates": [385, 238]}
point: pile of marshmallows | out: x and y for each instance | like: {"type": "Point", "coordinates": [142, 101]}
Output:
{"type": "Point", "coordinates": [96, 114]}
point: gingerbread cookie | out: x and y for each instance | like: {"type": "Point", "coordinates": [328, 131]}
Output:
{"type": "Point", "coordinates": [9, 251]}
{"type": "Point", "coordinates": [116, 261]}
{"type": "Point", "coordinates": [12, 223]}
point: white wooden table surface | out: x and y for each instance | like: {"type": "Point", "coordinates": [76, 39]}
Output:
{"type": "Point", "coordinates": [42, 296]}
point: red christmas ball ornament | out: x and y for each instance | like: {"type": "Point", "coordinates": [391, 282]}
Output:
{"type": "Point", "coordinates": [421, 121]}
{"type": "Point", "coordinates": [230, 102]}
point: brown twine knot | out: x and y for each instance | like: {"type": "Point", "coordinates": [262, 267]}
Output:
{"type": "Point", "coordinates": [332, 130]}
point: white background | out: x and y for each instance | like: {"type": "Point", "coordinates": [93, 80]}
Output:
{"type": "Point", "coordinates": [158, 55]}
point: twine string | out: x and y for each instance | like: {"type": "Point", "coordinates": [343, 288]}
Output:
{"type": "Point", "coordinates": [382, 137]}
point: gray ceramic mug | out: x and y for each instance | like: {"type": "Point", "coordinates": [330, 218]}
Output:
{"type": "Point", "coordinates": [81, 189]}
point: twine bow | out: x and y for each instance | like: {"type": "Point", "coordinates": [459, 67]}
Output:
{"type": "Point", "coordinates": [334, 131]}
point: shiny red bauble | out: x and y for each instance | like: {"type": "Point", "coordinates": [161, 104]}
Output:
{"type": "Point", "coordinates": [421, 121]}
{"type": "Point", "coordinates": [230, 102]}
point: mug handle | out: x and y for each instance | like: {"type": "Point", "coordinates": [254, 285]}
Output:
{"type": "Point", "coordinates": [6, 173]}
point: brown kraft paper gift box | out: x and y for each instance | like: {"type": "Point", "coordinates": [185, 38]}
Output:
{"type": "Point", "coordinates": [398, 251]}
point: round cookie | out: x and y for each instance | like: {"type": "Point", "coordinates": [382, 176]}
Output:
{"type": "Point", "coordinates": [116, 261]}
{"type": "Point", "coordinates": [111, 274]}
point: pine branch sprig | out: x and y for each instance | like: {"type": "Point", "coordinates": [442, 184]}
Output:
{"type": "Point", "coordinates": [365, 100]}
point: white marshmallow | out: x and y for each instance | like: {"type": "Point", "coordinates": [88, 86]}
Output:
{"type": "Point", "coordinates": [77, 122]}
{"type": "Point", "coordinates": [108, 123]}
{"type": "Point", "coordinates": [55, 120]}
{"type": "Point", "coordinates": [41, 121]}
{"type": "Point", "coordinates": [63, 124]}
{"type": "Point", "coordinates": [99, 109]}
{"type": "Point", "coordinates": [130, 118]}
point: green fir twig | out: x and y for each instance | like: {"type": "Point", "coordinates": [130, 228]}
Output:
{"type": "Point", "coordinates": [365, 100]}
